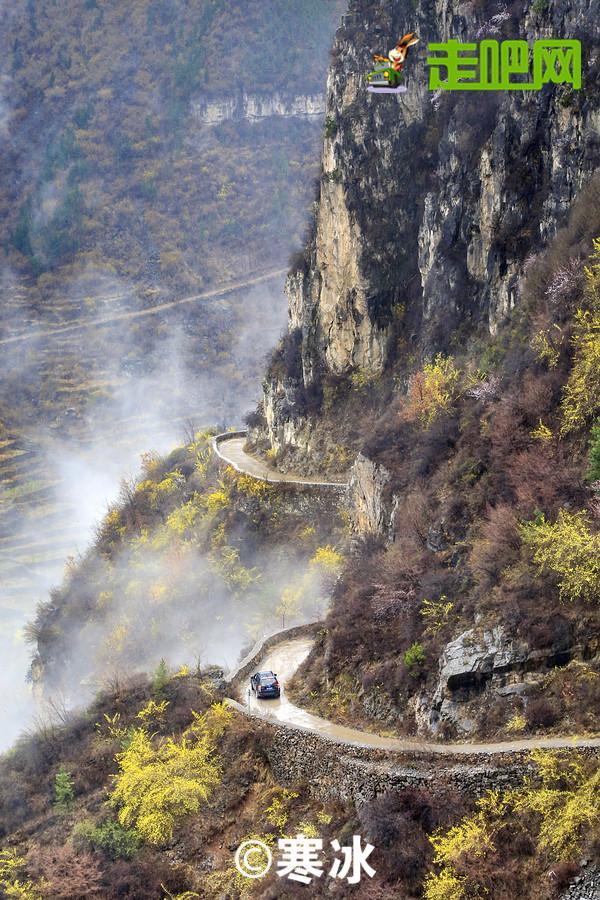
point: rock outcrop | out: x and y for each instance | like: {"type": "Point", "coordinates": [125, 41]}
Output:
{"type": "Point", "coordinates": [252, 107]}
{"type": "Point", "coordinates": [485, 659]}
{"type": "Point", "coordinates": [430, 204]}
{"type": "Point", "coordinates": [467, 665]}
{"type": "Point", "coordinates": [372, 512]}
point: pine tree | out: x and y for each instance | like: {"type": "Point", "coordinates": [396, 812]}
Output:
{"type": "Point", "coordinates": [160, 679]}
{"type": "Point", "coordinates": [64, 793]}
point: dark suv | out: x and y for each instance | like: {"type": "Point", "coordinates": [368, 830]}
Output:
{"type": "Point", "coordinates": [265, 684]}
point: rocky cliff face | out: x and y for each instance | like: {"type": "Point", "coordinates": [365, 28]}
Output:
{"type": "Point", "coordinates": [252, 107]}
{"type": "Point", "coordinates": [429, 205]}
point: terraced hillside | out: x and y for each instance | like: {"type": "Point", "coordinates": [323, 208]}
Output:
{"type": "Point", "coordinates": [78, 408]}
{"type": "Point", "coordinates": [135, 172]}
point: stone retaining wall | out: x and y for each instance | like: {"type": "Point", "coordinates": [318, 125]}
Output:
{"type": "Point", "coordinates": [330, 487]}
{"type": "Point", "coordinates": [271, 639]}
{"type": "Point", "coordinates": [336, 769]}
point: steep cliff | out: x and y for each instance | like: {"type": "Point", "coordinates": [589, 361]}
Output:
{"type": "Point", "coordinates": [252, 107]}
{"type": "Point", "coordinates": [429, 204]}
{"type": "Point", "coordinates": [435, 342]}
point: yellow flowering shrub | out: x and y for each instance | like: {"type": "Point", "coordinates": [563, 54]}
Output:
{"type": "Point", "coordinates": [327, 559]}
{"type": "Point", "coordinates": [559, 809]}
{"type": "Point", "coordinates": [13, 884]}
{"type": "Point", "coordinates": [567, 803]}
{"type": "Point", "coordinates": [433, 390]}
{"type": "Point", "coordinates": [581, 395]}
{"type": "Point", "coordinates": [159, 784]}
{"type": "Point", "coordinates": [569, 549]}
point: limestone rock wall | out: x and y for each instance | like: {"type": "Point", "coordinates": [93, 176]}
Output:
{"type": "Point", "coordinates": [429, 206]}
{"type": "Point", "coordinates": [240, 105]}
{"type": "Point", "coordinates": [336, 771]}
{"type": "Point", "coordinates": [372, 512]}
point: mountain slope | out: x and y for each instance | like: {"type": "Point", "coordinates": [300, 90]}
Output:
{"type": "Point", "coordinates": [442, 333]}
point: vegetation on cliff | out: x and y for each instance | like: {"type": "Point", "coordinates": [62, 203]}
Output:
{"type": "Point", "coordinates": [194, 560]}
{"type": "Point", "coordinates": [164, 786]}
{"type": "Point", "coordinates": [490, 453]}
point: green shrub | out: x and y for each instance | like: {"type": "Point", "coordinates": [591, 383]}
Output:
{"type": "Point", "coordinates": [64, 793]}
{"type": "Point", "coordinates": [593, 473]}
{"type": "Point", "coordinates": [330, 127]}
{"type": "Point", "coordinates": [414, 657]}
{"type": "Point", "coordinates": [110, 837]}
{"type": "Point", "coordinates": [160, 678]}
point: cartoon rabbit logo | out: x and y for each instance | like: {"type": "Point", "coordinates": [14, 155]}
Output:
{"type": "Point", "coordinates": [386, 78]}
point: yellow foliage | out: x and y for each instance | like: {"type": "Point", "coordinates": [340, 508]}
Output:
{"type": "Point", "coordinates": [152, 710]}
{"type": "Point", "coordinates": [433, 390]}
{"type": "Point", "coordinates": [436, 613]}
{"type": "Point", "coordinates": [226, 562]}
{"type": "Point", "coordinates": [581, 396]}
{"type": "Point", "coordinates": [184, 517]}
{"type": "Point", "coordinates": [182, 672]}
{"type": "Point", "coordinates": [213, 723]}
{"type": "Point", "coordinates": [568, 802]}
{"type": "Point", "coordinates": [115, 640]}
{"type": "Point", "coordinates": [171, 482]}
{"type": "Point", "coordinates": [542, 433]}
{"type": "Point", "coordinates": [341, 695]}
{"type": "Point", "coordinates": [339, 457]}
{"type": "Point", "coordinates": [217, 500]}
{"type": "Point", "coordinates": [559, 813]}
{"type": "Point", "coordinates": [13, 885]}
{"type": "Point", "coordinates": [159, 785]}
{"type": "Point", "coordinates": [277, 813]}
{"type": "Point", "coordinates": [230, 882]}
{"type": "Point", "coordinates": [159, 592]}
{"type": "Point", "coordinates": [111, 727]}
{"type": "Point", "coordinates": [251, 487]}
{"type": "Point", "coordinates": [104, 599]}
{"type": "Point", "coordinates": [445, 885]}
{"type": "Point", "coordinates": [517, 723]}
{"type": "Point", "coordinates": [224, 191]}
{"type": "Point", "coordinates": [327, 559]}
{"type": "Point", "coordinates": [168, 487]}
{"type": "Point", "coordinates": [362, 380]}
{"type": "Point", "coordinates": [544, 349]}
{"type": "Point", "coordinates": [569, 549]}
{"type": "Point", "coordinates": [290, 601]}
{"type": "Point", "coordinates": [187, 895]}
{"type": "Point", "coordinates": [112, 523]}
{"type": "Point", "coordinates": [307, 829]}
{"type": "Point", "coordinates": [469, 838]}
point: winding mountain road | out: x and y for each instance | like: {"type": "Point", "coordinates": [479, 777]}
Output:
{"type": "Point", "coordinates": [213, 294]}
{"type": "Point", "coordinates": [230, 448]}
{"type": "Point", "coordinates": [285, 657]}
